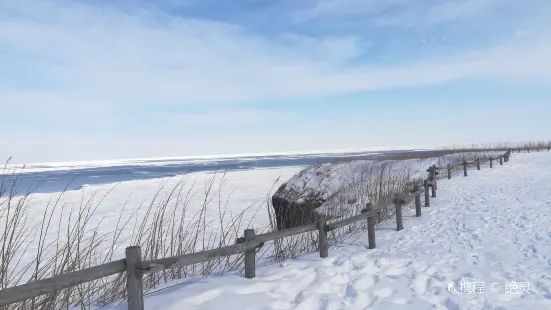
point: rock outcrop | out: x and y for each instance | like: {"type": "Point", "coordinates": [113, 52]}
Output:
{"type": "Point", "coordinates": [292, 209]}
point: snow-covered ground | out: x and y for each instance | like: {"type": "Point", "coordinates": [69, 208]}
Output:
{"type": "Point", "coordinates": [239, 190]}
{"type": "Point", "coordinates": [486, 238]}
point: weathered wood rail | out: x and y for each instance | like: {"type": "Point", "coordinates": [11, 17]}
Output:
{"type": "Point", "coordinates": [135, 268]}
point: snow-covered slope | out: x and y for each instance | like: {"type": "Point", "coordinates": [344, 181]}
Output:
{"type": "Point", "coordinates": [327, 179]}
{"type": "Point", "coordinates": [341, 189]}
{"type": "Point", "coordinates": [492, 228]}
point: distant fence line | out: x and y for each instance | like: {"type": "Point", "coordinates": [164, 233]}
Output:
{"type": "Point", "coordinates": [135, 268]}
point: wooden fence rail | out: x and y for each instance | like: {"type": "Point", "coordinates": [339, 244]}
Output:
{"type": "Point", "coordinates": [135, 268]}
{"type": "Point", "coordinates": [51, 285]}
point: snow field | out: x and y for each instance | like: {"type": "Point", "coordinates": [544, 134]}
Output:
{"type": "Point", "coordinates": [241, 191]}
{"type": "Point", "coordinates": [492, 227]}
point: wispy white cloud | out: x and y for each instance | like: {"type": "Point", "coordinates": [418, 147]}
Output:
{"type": "Point", "coordinates": [122, 59]}
{"type": "Point", "coordinates": [398, 12]}
{"type": "Point", "coordinates": [106, 57]}
{"type": "Point", "coordinates": [344, 8]}
{"type": "Point", "coordinates": [452, 10]}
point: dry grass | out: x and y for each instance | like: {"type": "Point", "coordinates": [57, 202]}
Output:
{"type": "Point", "coordinates": [504, 146]}
{"type": "Point", "coordinates": [164, 227]}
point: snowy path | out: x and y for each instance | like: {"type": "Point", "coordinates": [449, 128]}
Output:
{"type": "Point", "coordinates": [494, 226]}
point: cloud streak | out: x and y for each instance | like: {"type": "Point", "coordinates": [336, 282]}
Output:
{"type": "Point", "coordinates": [398, 12]}
{"type": "Point", "coordinates": [110, 57]}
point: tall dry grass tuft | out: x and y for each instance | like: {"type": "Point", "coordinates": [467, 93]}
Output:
{"type": "Point", "coordinates": [70, 236]}
{"type": "Point", "coordinates": [14, 217]}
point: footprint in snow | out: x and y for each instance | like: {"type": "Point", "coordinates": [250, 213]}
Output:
{"type": "Point", "coordinates": [384, 292]}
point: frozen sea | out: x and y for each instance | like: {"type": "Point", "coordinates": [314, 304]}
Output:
{"type": "Point", "coordinates": [56, 177]}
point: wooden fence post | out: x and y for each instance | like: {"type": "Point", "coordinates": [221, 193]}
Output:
{"type": "Point", "coordinates": [417, 200]}
{"type": "Point", "coordinates": [250, 256]}
{"type": "Point", "coordinates": [432, 174]}
{"type": "Point", "coordinates": [491, 162]}
{"type": "Point", "coordinates": [478, 164]}
{"type": "Point", "coordinates": [501, 160]}
{"type": "Point", "coordinates": [449, 172]}
{"type": "Point", "coordinates": [433, 187]}
{"type": "Point", "coordinates": [371, 226]}
{"type": "Point", "coordinates": [435, 176]}
{"type": "Point", "coordinates": [465, 173]}
{"type": "Point", "coordinates": [323, 241]}
{"type": "Point", "coordinates": [427, 197]}
{"type": "Point", "coordinates": [399, 218]}
{"type": "Point", "coordinates": [134, 278]}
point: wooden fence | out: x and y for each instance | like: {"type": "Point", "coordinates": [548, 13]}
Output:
{"type": "Point", "coordinates": [135, 268]}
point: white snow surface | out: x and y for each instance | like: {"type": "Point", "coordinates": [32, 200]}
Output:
{"type": "Point", "coordinates": [240, 190]}
{"type": "Point", "coordinates": [492, 227]}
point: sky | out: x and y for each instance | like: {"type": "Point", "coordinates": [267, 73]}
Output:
{"type": "Point", "coordinates": [97, 79]}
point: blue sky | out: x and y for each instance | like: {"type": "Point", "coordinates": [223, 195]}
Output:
{"type": "Point", "coordinates": [88, 80]}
